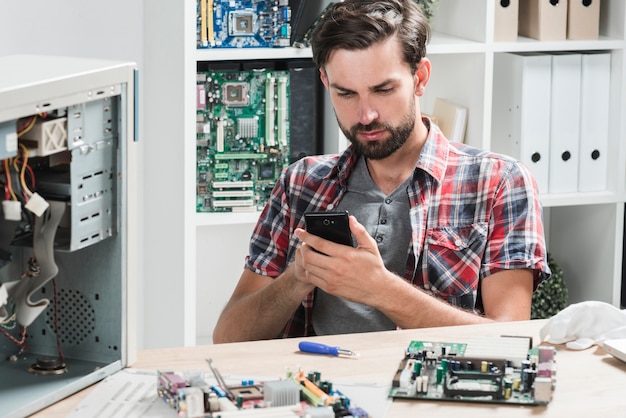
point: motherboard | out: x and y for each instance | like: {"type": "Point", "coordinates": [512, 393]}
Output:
{"type": "Point", "coordinates": [242, 139]}
{"type": "Point", "coordinates": [243, 23]}
{"type": "Point", "coordinates": [438, 371]}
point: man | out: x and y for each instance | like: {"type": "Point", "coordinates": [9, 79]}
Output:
{"type": "Point", "coordinates": [446, 234]}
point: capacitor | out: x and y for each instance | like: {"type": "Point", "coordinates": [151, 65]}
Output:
{"type": "Point", "coordinates": [444, 364]}
{"type": "Point", "coordinates": [508, 388]}
{"type": "Point", "coordinates": [417, 368]}
{"type": "Point", "coordinates": [439, 374]}
{"type": "Point", "coordinates": [528, 377]}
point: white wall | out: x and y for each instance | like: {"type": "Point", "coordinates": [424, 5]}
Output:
{"type": "Point", "coordinates": [229, 244]}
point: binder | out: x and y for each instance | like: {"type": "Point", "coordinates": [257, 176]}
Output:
{"type": "Point", "coordinates": [564, 122]}
{"type": "Point", "coordinates": [594, 121]}
{"type": "Point", "coordinates": [505, 20]}
{"type": "Point", "coordinates": [521, 111]}
{"type": "Point", "coordinates": [583, 19]}
{"type": "Point", "coordinates": [451, 119]}
{"type": "Point", "coordinates": [545, 20]}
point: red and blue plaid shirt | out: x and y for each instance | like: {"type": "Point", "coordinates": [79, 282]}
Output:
{"type": "Point", "coordinates": [472, 212]}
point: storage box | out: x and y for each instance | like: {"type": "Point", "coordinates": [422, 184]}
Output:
{"type": "Point", "coordinates": [506, 20]}
{"type": "Point", "coordinates": [544, 20]}
{"type": "Point", "coordinates": [583, 19]}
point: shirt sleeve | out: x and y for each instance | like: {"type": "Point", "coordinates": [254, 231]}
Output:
{"type": "Point", "coordinates": [269, 244]}
{"type": "Point", "coordinates": [516, 238]}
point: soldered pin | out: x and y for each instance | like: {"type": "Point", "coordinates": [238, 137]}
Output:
{"type": "Point", "coordinates": [319, 348]}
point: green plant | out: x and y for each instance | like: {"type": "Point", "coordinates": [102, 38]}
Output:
{"type": "Point", "coordinates": [551, 296]}
{"type": "Point", "coordinates": [428, 7]}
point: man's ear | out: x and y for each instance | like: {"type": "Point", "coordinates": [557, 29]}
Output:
{"type": "Point", "coordinates": [324, 78]}
{"type": "Point", "coordinates": [422, 75]}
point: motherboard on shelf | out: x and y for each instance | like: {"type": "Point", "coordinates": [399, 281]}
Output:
{"type": "Point", "coordinates": [439, 371]}
{"type": "Point", "coordinates": [243, 23]}
{"type": "Point", "coordinates": [242, 137]}
{"type": "Point", "coordinates": [296, 395]}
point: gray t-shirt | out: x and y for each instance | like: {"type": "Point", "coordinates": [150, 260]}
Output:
{"type": "Point", "coordinates": [386, 218]}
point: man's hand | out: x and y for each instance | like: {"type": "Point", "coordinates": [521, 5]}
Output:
{"type": "Point", "coordinates": [354, 274]}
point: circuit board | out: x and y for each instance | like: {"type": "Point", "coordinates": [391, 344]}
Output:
{"type": "Point", "coordinates": [243, 23]}
{"type": "Point", "coordinates": [242, 137]}
{"type": "Point", "coordinates": [441, 372]}
{"type": "Point", "coordinates": [296, 395]}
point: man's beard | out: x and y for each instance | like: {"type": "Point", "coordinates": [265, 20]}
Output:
{"type": "Point", "coordinates": [377, 150]}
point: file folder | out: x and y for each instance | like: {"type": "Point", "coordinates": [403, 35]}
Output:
{"type": "Point", "coordinates": [564, 123]}
{"type": "Point", "coordinates": [583, 19]}
{"type": "Point", "coordinates": [521, 111]}
{"type": "Point", "coordinates": [451, 119]}
{"type": "Point", "coordinates": [505, 20]}
{"type": "Point", "coordinates": [594, 121]}
{"type": "Point", "coordinates": [545, 20]}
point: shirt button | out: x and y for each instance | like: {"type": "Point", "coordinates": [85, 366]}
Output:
{"type": "Point", "coordinates": [458, 242]}
{"type": "Point", "coordinates": [383, 221]}
{"type": "Point", "coordinates": [388, 201]}
{"type": "Point", "coordinates": [379, 239]}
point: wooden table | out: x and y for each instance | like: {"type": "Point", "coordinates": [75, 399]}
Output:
{"type": "Point", "coordinates": [590, 383]}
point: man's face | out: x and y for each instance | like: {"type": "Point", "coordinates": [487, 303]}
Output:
{"type": "Point", "coordinates": [373, 94]}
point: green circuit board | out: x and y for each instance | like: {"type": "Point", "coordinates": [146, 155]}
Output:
{"type": "Point", "coordinates": [434, 371]}
{"type": "Point", "coordinates": [242, 137]}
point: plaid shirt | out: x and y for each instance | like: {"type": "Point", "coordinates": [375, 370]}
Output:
{"type": "Point", "coordinates": [473, 213]}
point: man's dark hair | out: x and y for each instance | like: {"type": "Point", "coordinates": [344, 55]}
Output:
{"type": "Point", "coordinates": [359, 24]}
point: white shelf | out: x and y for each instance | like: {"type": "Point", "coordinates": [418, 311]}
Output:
{"type": "Point", "coordinates": [223, 54]}
{"type": "Point", "coordinates": [462, 52]}
{"type": "Point", "coordinates": [524, 44]}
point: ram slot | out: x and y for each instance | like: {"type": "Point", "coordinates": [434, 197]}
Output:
{"type": "Point", "coordinates": [219, 136]}
{"type": "Point", "coordinates": [203, 23]}
{"type": "Point", "coordinates": [282, 111]}
{"type": "Point", "coordinates": [211, 32]}
{"type": "Point", "coordinates": [270, 108]}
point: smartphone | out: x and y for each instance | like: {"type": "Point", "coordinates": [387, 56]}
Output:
{"type": "Point", "coordinates": [333, 226]}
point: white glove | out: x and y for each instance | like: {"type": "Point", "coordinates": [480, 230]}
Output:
{"type": "Point", "coordinates": [584, 324]}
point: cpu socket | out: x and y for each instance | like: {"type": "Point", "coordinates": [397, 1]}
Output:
{"type": "Point", "coordinates": [236, 94]}
{"type": "Point", "coordinates": [242, 23]}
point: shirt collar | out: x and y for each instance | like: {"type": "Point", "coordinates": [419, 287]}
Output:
{"type": "Point", "coordinates": [434, 156]}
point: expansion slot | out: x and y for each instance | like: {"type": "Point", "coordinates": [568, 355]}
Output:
{"type": "Point", "coordinates": [232, 203]}
{"type": "Point", "coordinates": [247, 156]}
{"type": "Point", "coordinates": [232, 184]}
{"type": "Point", "coordinates": [233, 193]}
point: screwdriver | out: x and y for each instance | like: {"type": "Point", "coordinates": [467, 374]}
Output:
{"type": "Point", "coordinates": [319, 348]}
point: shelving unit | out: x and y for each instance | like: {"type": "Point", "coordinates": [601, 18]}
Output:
{"type": "Point", "coordinates": [199, 263]}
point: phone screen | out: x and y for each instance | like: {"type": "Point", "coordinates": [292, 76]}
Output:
{"type": "Point", "coordinates": [333, 226]}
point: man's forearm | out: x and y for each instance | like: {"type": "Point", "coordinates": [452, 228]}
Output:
{"type": "Point", "coordinates": [411, 307]}
{"type": "Point", "coordinates": [261, 314]}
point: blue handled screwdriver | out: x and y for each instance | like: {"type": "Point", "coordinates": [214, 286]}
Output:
{"type": "Point", "coordinates": [319, 348]}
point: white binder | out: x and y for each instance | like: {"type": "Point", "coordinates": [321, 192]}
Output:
{"type": "Point", "coordinates": [594, 121]}
{"type": "Point", "coordinates": [564, 123]}
{"type": "Point", "coordinates": [521, 111]}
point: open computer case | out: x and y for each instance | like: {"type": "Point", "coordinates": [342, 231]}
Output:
{"type": "Point", "coordinates": [67, 229]}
